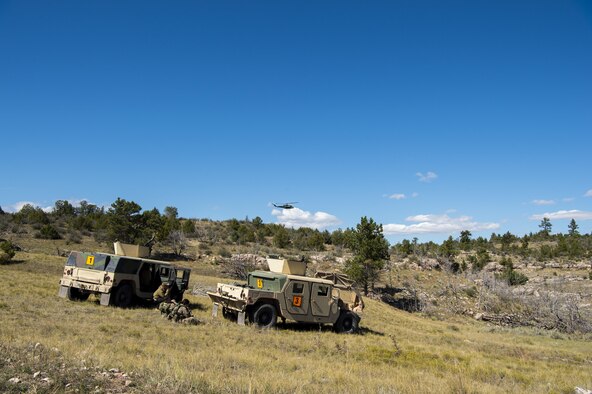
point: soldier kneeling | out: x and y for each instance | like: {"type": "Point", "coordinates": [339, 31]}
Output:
{"type": "Point", "coordinates": [163, 293]}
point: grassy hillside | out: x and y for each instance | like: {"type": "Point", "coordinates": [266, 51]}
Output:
{"type": "Point", "coordinates": [74, 345]}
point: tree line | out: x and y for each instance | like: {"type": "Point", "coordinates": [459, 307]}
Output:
{"type": "Point", "coordinates": [542, 245]}
{"type": "Point", "coordinates": [125, 221]}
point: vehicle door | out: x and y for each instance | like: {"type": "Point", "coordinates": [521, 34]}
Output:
{"type": "Point", "coordinates": [181, 278]}
{"type": "Point", "coordinates": [148, 277]}
{"type": "Point", "coordinates": [298, 297]}
{"type": "Point", "coordinates": [167, 274]}
{"type": "Point", "coordinates": [320, 299]}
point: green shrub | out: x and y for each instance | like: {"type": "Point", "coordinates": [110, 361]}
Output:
{"type": "Point", "coordinates": [205, 249]}
{"type": "Point", "coordinates": [479, 261]}
{"type": "Point", "coordinates": [188, 228]}
{"type": "Point", "coordinates": [5, 221]}
{"type": "Point", "coordinates": [516, 278]}
{"type": "Point", "coordinates": [512, 277]}
{"type": "Point", "coordinates": [463, 266]}
{"type": "Point", "coordinates": [32, 215]}
{"type": "Point", "coordinates": [547, 252]}
{"type": "Point", "coordinates": [74, 237]}
{"type": "Point", "coordinates": [48, 232]}
{"type": "Point", "coordinates": [507, 262]}
{"type": "Point", "coordinates": [455, 267]}
{"type": "Point", "coordinates": [471, 291]}
{"type": "Point", "coordinates": [7, 251]}
{"type": "Point", "coordinates": [4, 258]}
{"type": "Point", "coordinates": [222, 251]}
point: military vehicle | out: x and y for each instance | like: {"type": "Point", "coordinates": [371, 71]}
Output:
{"type": "Point", "coordinates": [120, 279]}
{"type": "Point", "coordinates": [286, 293]}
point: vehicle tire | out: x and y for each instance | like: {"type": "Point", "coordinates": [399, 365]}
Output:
{"type": "Point", "coordinates": [265, 316]}
{"type": "Point", "coordinates": [75, 294]}
{"type": "Point", "coordinates": [123, 296]}
{"type": "Point", "coordinates": [347, 323]}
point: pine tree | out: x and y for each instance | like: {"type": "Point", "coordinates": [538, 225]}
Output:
{"type": "Point", "coordinates": [281, 238]}
{"type": "Point", "coordinates": [370, 250]}
{"type": "Point", "coordinates": [573, 228]}
{"type": "Point", "coordinates": [124, 221]}
{"type": "Point", "coordinates": [546, 226]}
{"type": "Point", "coordinates": [465, 239]}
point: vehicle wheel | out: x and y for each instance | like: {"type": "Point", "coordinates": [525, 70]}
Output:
{"type": "Point", "coordinates": [123, 296]}
{"type": "Point", "coordinates": [265, 316]}
{"type": "Point", "coordinates": [75, 294]}
{"type": "Point", "coordinates": [348, 323]}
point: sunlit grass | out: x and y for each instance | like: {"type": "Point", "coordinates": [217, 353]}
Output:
{"type": "Point", "coordinates": [397, 351]}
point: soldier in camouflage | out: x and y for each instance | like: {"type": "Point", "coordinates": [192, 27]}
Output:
{"type": "Point", "coordinates": [182, 314]}
{"type": "Point", "coordinates": [163, 293]}
{"type": "Point", "coordinates": [166, 307]}
{"type": "Point", "coordinates": [178, 312]}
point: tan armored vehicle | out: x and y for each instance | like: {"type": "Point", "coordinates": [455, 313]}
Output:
{"type": "Point", "coordinates": [120, 279]}
{"type": "Point", "coordinates": [286, 293]}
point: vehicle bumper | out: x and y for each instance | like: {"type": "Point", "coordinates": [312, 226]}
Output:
{"type": "Point", "coordinates": [227, 302]}
{"type": "Point", "coordinates": [95, 288]}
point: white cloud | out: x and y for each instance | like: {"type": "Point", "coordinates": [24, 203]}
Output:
{"type": "Point", "coordinates": [571, 214]}
{"type": "Point", "coordinates": [568, 199]}
{"type": "Point", "coordinates": [427, 177]}
{"type": "Point", "coordinates": [297, 218]}
{"type": "Point", "coordinates": [397, 196]}
{"type": "Point", "coordinates": [437, 224]}
{"type": "Point", "coordinates": [401, 196]}
{"type": "Point", "coordinates": [543, 202]}
{"type": "Point", "coordinates": [588, 193]}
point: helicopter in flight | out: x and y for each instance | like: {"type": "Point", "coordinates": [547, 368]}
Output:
{"type": "Point", "coordinates": [286, 205]}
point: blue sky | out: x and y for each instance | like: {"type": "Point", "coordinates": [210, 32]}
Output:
{"type": "Point", "coordinates": [427, 116]}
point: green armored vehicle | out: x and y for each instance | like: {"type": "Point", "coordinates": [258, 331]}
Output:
{"type": "Point", "coordinates": [286, 293]}
{"type": "Point", "coordinates": [118, 279]}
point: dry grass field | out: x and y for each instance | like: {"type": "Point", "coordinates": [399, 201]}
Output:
{"type": "Point", "coordinates": [51, 344]}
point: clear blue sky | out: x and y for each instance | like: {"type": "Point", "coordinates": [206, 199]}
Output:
{"type": "Point", "coordinates": [427, 116]}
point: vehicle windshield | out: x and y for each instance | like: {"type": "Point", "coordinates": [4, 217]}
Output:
{"type": "Point", "coordinates": [94, 261]}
